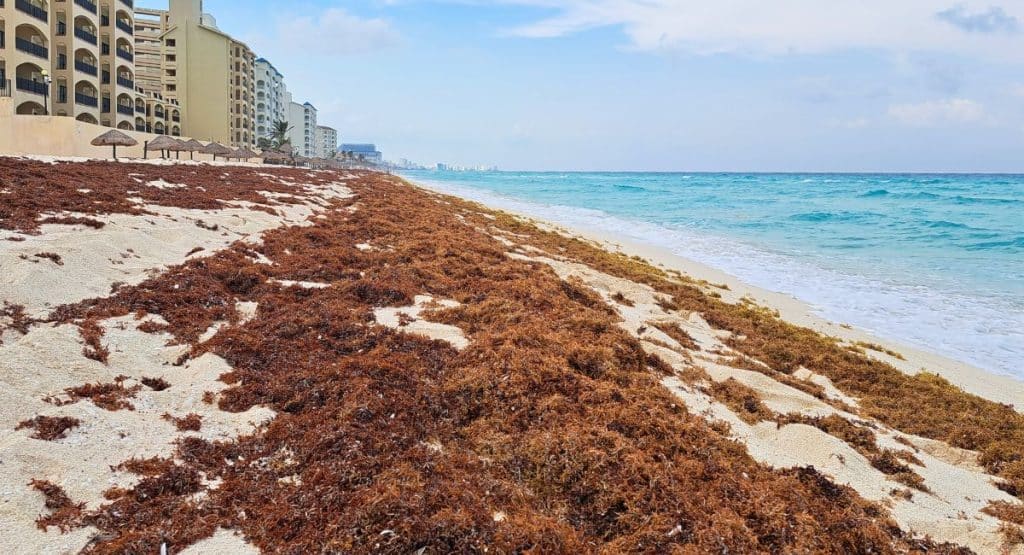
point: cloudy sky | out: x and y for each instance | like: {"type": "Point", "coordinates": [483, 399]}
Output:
{"type": "Point", "coordinates": [708, 85]}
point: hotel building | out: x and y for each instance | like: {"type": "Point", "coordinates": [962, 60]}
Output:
{"type": "Point", "coordinates": [271, 106]}
{"type": "Point", "coordinates": [204, 73]}
{"type": "Point", "coordinates": [86, 49]}
{"type": "Point", "coordinates": [326, 141]}
{"type": "Point", "coordinates": [302, 119]}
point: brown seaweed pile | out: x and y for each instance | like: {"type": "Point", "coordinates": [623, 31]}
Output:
{"type": "Point", "coordinates": [549, 433]}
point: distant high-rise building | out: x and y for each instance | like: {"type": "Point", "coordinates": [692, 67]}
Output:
{"type": "Point", "coordinates": [302, 119]}
{"type": "Point", "coordinates": [326, 139]}
{"type": "Point", "coordinates": [271, 106]}
{"type": "Point", "coordinates": [362, 151]}
{"type": "Point", "coordinates": [186, 58]}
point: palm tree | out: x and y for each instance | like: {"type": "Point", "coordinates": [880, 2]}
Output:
{"type": "Point", "coordinates": [279, 133]}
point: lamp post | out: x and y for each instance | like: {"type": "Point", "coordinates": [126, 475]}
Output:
{"type": "Point", "coordinates": [46, 93]}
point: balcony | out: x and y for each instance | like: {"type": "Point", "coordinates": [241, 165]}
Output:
{"type": "Point", "coordinates": [86, 100]}
{"type": "Point", "coordinates": [128, 3]}
{"type": "Point", "coordinates": [86, 36]}
{"type": "Point", "coordinates": [140, 128]}
{"type": "Point", "coordinates": [176, 119]}
{"type": "Point", "coordinates": [126, 83]}
{"type": "Point", "coordinates": [85, 67]}
{"type": "Point", "coordinates": [34, 11]}
{"type": "Point", "coordinates": [140, 109]}
{"type": "Point", "coordinates": [30, 47]}
{"type": "Point", "coordinates": [125, 110]}
{"type": "Point", "coordinates": [125, 26]}
{"type": "Point", "coordinates": [125, 55]}
{"type": "Point", "coordinates": [89, 6]}
{"type": "Point", "coordinates": [31, 86]}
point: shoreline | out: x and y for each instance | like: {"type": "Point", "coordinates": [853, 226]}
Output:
{"type": "Point", "coordinates": [213, 318]}
{"type": "Point", "coordinates": [972, 379]}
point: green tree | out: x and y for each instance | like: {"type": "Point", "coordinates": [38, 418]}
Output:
{"type": "Point", "coordinates": [279, 133]}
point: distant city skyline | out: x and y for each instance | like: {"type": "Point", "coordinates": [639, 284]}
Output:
{"type": "Point", "coordinates": [658, 85]}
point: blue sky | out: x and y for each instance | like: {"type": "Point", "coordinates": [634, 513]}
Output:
{"type": "Point", "coordinates": [723, 85]}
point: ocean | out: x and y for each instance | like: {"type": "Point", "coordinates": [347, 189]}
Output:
{"type": "Point", "coordinates": [934, 261]}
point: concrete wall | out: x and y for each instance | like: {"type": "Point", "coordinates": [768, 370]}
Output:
{"type": "Point", "coordinates": [63, 136]}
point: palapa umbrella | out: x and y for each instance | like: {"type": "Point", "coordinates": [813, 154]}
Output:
{"type": "Point", "coordinates": [248, 152]}
{"type": "Point", "coordinates": [193, 146]}
{"type": "Point", "coordinates": [300, 160]}
{"type": "Point", "coordinates": [114, 138]}
{"type": "Point", "coordinates": [216, 149]}
{"type": "Point", "coordinates": [275, 156]}
{"type": "Point", "coordinates": [162, 143]}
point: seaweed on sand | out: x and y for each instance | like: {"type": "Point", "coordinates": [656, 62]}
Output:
{"type": "Point", "coordinates": [923, 404]}
{"type": "Point", "coordinates": [49, 428]}
{"type": "Point", "coordinates": [64, 514]}
{"type": "Point", "coordinates": [549, 433]}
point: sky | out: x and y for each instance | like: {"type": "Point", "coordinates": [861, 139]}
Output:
{"type": "Point", "coordinates": [657, 85]}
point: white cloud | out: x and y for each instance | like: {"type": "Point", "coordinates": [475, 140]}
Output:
{"type": "Point", "coordinates": [779, 27]}
{"type": "Point", "coordinates": [335, 32]}
{"type": "Point", "coordinates": [1017, 90]}
{"type": "Point", "coordinates": [854, 123]}
{"type": "Point", "coordinates": [937, 112]}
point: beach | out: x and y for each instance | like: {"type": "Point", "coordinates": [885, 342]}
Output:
{"type": "Point", "coordinates": [231, 358]}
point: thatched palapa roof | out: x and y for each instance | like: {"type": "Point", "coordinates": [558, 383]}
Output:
{"type": "Point", "coordinates": [114, 138]}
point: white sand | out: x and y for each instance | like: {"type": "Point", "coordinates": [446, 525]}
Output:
{"type": "Point", "coordinates": [392, 317]}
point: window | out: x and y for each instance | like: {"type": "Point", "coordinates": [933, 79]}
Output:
{"type": "Point", "coordinates": [171, 42]}
{"type": "Point", "coordinates": [172, 88]}
{"type": "Point", "coordinates": [172, 58]}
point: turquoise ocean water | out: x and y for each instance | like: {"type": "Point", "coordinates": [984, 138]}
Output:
{"type": "Point", "coordinates": [935, 261]}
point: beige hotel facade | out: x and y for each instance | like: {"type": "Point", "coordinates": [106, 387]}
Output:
{"type": "Point", "coordinates": [184, 58]}
{"type": "Point", "coordinates": [70, 58]}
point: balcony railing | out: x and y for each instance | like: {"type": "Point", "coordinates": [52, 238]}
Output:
{"type": "Point", "coordinates": [140, 109]}
{"type": "Point", "coordinates": [125, 54]}
{"type": "Point", "coordinates": [86, 100]}
{"type": "Point", "coordinates": [89, 6]}
{"type": "Point", "coordinates": [140, 128]}
{"type": "Point", "coordinates": [126, 83]}
{"type": "Point", "coordinates": [85, 67]}
{"type": "Point", "coordinates": [176, 119]}
{"type": "Point", "coordinates": [29, 85]}
{"type": "Point", "coordinates": [125, 26]}
{"type": "Point", "coordinates": [30, 47]}
{"type": "Point", "coordinates": [85, 35]}
{"type": "Point", "coordinates": [34, 11]}
{"type": "Point", "coordinates": [126, 110]}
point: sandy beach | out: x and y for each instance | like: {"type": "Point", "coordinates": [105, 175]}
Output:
{"type": "Point", "coordinates": [231, 358]}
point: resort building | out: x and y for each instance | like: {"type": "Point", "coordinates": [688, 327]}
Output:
{"type": "Point", "coordinates": [270, 99]}
{"type": "Point", "coordinates": [302, 135]}
{"type": "Point", "coordinates": [364, 152]}
{"type": "Point", "coordinates": [187, 59]}
{"type": "Point", "coordinates": [69, 58]}
{"type": "Point", "coordinates": [326, 141]}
